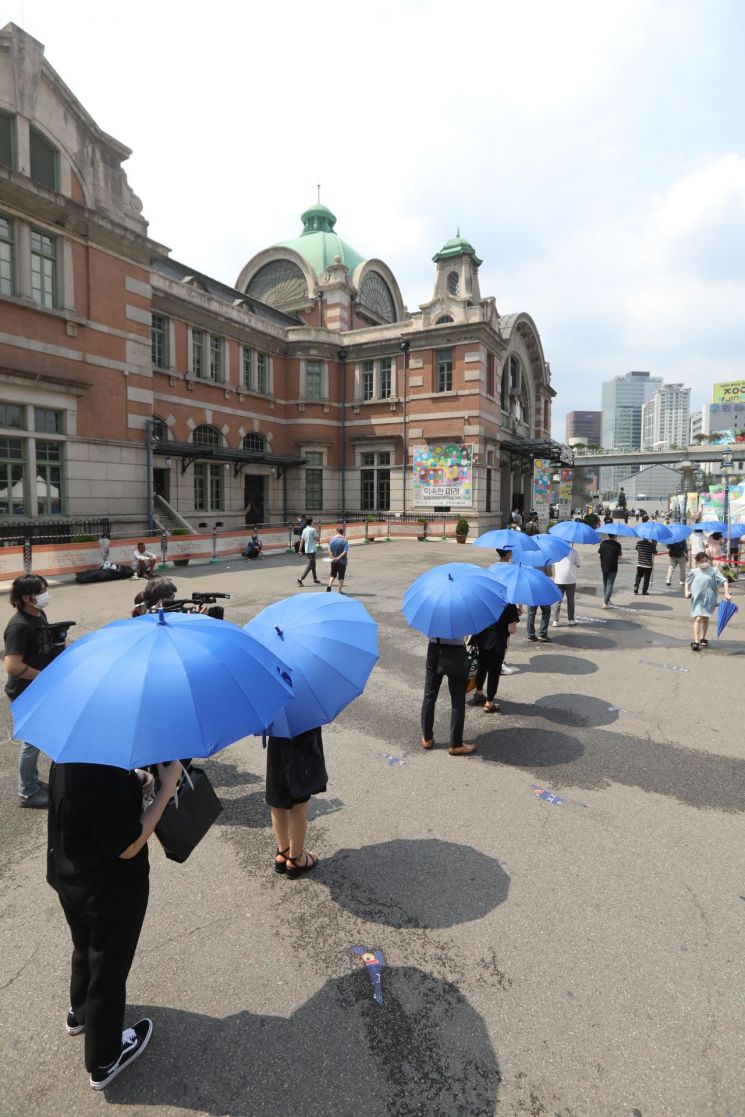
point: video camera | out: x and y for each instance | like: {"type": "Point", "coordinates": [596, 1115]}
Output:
{"type": "Point", "coordinates": [180, 605]}
{"type": "Point", "coordinates": [55, 635]}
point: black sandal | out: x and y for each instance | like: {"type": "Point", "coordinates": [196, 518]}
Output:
{"type": "Point", "coordinates": [694, 646]}
{"type": "Point", "coordinates": [704, 643]}
{"type": "Point", "coordinates": [281, 866]}
{"type": "Point", "coordinates": [298, 870]}
{"type": "Point", "coordinates": [495, 707]}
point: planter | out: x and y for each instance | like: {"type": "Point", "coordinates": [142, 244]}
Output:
{"type": "Point", "coordinates": [181, 562]}
{"type": "Point", "coordinates": [461, 538]}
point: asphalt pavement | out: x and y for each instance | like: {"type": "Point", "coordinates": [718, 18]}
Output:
{"type": "Point", "coordinates": [561, 914]}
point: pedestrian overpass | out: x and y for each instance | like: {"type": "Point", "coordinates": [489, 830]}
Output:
{"type": "Point", "coordinates": [689, 458]}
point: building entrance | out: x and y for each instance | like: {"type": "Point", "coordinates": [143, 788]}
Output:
{"type": "Point", "coordinates": [253, 498]}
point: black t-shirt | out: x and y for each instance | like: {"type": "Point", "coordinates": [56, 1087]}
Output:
{"type": "Point", "coordinates": [497, 634]}
{"type": "Point", "coordinates": [610, 552]}
{"type": "Point", "coordinates": [28, 637]}
{"type": "Point", "coordinates": [94, 815]}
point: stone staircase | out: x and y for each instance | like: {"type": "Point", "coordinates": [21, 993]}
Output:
{"type": "Point", "coordinates": [168, 518]}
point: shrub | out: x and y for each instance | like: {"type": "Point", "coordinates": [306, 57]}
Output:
{"type": "Point", "coordinates": [462, 526]}
{"type": "Point", "coordinates": [83, 539]}
{"type": "Point", "coordinates": [179, 531]}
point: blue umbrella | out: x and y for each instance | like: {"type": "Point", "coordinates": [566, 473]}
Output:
{"type": "Point", "coordinates": [506, 540]}
{"type": "Point", "coordinates": [152, 688]}
{"type": "Point", "coordinates": [453, 600]}
{"type": "Point", "coordinates": [679, 532]}
{"type": "Point", "coordinates": [550, 550]}
{"type": "Point", "coordinates": [618, 527]}
{"type": "Point", "coordinates": [330, 644]}
{"type": "Point", "coordinates": [710, 525]}
{"type": "Point", "coordinates": [575, 531]}
{"type": "Point", "coordinates": [653, 530]}
{"type": "Point", "coordinates": [737, 531]}
{"type": "Point", "coordinates": [525, 586]}
{"type": "Point", "coordinates": [727, 610]}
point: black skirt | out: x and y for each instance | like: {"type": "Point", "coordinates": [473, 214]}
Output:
{"type": "Point", "coordinates": [295, 769]}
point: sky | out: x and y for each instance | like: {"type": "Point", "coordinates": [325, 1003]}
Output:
{"type": "Point", "coordinates": [593, 154]}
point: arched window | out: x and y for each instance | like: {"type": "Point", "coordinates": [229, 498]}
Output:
{"type": "Point", "coordinates": [443, 319]}
{"type": "Point", "coordinates": [160, 430]}
{"type": "Point", "coordinates": [504, 394]}
{"type": "Point", "coordinates": [254, 441]}
{"type": "Point", "coordinates": [376, 296]}
{"type": "Point", "coordinates": [280, 283]}
{"type": "Point", "coordinates": [453, 283]}
{"type": "Point", "coordinates": [207, 436]}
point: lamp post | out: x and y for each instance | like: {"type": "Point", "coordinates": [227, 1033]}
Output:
{"type": "Point", "coordinates": [405, 347]}
{"type": "Point", "coordinates": [726, 470]}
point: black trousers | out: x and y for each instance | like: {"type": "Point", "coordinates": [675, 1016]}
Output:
{"type": "Point", "coordinates": [310, 568]}
{"type": "Point", "coordinates": [490, 670]}
{"type": "Point", "coordinates": [457, 687]}
{"type": "Point", "coordinates": [105, 923]}
{"type": "Point", "coordinates": [643, 575]}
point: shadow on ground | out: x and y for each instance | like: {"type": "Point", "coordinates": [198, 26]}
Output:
{"type": "Point", "coordinates": [415, 883]}
{"type": "Point", "coordinates": [584, 641]}
{"type": "Point", "coordinates": [548, 663]}
{"type": "Point", "coordinates": [574, 710]}
{"type": "Point", "coordinates": [425, 1051]}
{"type": "Point", "coordinates": [250, 810]}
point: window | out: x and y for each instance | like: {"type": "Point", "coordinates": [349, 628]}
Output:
{"type": "Point", "coordinates": [43, 160]}
{"type": "Point", "coordinates": [254, 441]}
{"type": "Point", "coordinates": [314, 380]}
{"type": "Point", "coordinates": [7, 137]}
{"type": "Point", "coordinates": [491, 375]}
{"type": "Point", "coordinates": [216, 358]}
{"type": "Point", "coordinates": [160, 430]}
{"type": "Point", "coordinates": [197, 352]}
{"type": "Point", "coordinates": [444, 319]}
{"type": "Point", "coordinates": [505, 386]}
{"type": "Point", "coordinates": [375, 294]}
{"type": "Point", "coordinates": [159, 341]}
{"type": "Point", "coordinates": [207, 436]}
{"type": "Point", "coordinates": [375, 481]}
{"type": "Point", "coordinates": [386, 377]}
{"type": "Point", "coordinates": [11, 415]}
{"type": "Point", "coordinates": [488, 488]}
{"type": "Point", "coordinates": [7, 270]}
{"type": "Point", "coordinates": [49, 477]}
{"type": "Point", "coordinates": [368, 379]}
{"type": "Point", "coordinates": [444, 370]}
{"type": "Point", "coordinates": [12, 477]}
{"type": "Point", "coordinates": [262, 373]}
{"type": "Point", "coordinates": [453, 283]}
{"type": "Point", "coordinates": [314, 480]}
{"type": "Point", "coordinates": [280, 283]}
{"type": "Point", "coordinates": [43, 269]}
{"type": "Point", "coordinates": [47, 421]}
{"type": "Point", "coordinates": [248, 377]}
{"type": "Point", "coordinates": [208, 486]}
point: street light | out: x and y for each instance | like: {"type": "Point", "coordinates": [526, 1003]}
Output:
{"type": "Point", "coordinates": [726, 470]}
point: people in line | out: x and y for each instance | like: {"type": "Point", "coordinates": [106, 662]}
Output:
{"type": "Point", "coordinates": [646, 549]}
{"type": "Point", "coordinates": [677, 554]}
{"type": "Point", "coordinates": [610, 552]}
{"type": "Point", "coordinates": [143, 562]}
{"type": "Point", "coordinates": [565, 577]}
{"type": "Point", "coordinates": [339, 550]}
{"type": "Point", "coordinates": [97, 863]}
{"type": "Point", "coordinates": [295, 770]}
{"type": "Point", "coordinates": [532, 611]}
{"type": "Point", "coordinates": [308, 547]}
{"type": "Point", "coordinates": [492, 645]}
{"type": "Point", "coordinates": [446, 659]}
{"type": "Point", "coordinates": [702, 587]}
{"type": "Point", "coordinates": [28, 650]}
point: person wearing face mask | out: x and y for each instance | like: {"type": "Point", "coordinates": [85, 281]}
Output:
{"type": "Point", "coordinates": [702, 586]}
{"type": "Point", "coordinates": [28, 650]}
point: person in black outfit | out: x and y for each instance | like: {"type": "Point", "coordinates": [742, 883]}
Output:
{"type": "Point", "coordinates": [457, 685]}
{"type": "Point", "coordinates": [646, 550]}
{"type": "Point", "coordinates": [97, 863]}
{"type": "Point", "coordinates": [28, 650]}
{"type": "Point", "coordinates": [492, 645]}
{"type": "Point", "coordinates": [295, 770]}
{"type": "Point", "coordinates": [610, 552]}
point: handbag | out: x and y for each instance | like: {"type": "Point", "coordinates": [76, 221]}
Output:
{"type": "Point", "coordinates": [453, 660]}
{"type": "Point", "coordinates": [304, 765]}
{"type": "Point", "coordinates": [188, 816]}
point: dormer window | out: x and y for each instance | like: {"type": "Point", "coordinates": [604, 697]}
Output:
{"type": "Point", "coordinates": [453, 283]}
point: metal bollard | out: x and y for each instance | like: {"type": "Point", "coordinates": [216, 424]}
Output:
{"type": "Point", "coordinates": [27, 554]}
{"type": "Point", "coordinates": [164, 564]}
{"type": "Point", "coordinates": [215, 526]}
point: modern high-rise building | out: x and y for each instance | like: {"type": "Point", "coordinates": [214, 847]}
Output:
{"type": "Point", "coordinates": [585, 425]}
{"type": "Point", "coordinates": [621, 427]}
{"type": "Point", "coordinates": [666, 418]}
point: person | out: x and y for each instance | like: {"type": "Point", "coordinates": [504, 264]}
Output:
{"type": "Point", "coordinates": [698, 544]}
{"type": "Point", "coordinates": [97, 863]}
{"type": "Point", "coordinates": [295, 770]}
{"type": "Point", "coordinates": [104, 545]}
{"type": "Point", "coordinates": [646, 549]}
{"type": "Point", "coordinates": [565, 577]}
{"type": "Point", "coordinates": [29, 648]}
{"type": "Point", "coordinates": [143, 562]}
{"type": "Point", "coordinates": [308, 546]}
{"type": "Point", "coordinates": [677, 554]}
{"type": "Point", "coordinates": [608, 516]}
{"type": "Point", "coordinates": [253, 547]}
{"type": "Point", "coordinates": [297, 531]}
{"type": "Point", "coordinates": [492, 645]}
{"type": "Point", "coordinates": [517, 518]}
{"type": "Point", "coordinates": [532, 527]}
{"type": "Point", "coordinates": [339, 548]}
{"type": "Point", "coordinates": [158, 592]}
{"type": "Point", "coordinates": [505, 555]}
{"type": "Point", "coordinates": [543, 636]}
{"type": "Point", "coordinates": [457, 685]}
{"type": "Point", "coordinates": [714, 547]}
{"type": "Point", "coordinates": [702, 585]}
{"type": "Point", "coordinates": [610, 552]}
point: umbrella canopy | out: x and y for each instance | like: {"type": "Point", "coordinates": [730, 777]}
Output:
{"type": "Point", "coordinates": [152, 688]}
{"type": "Point", "coordinates": [506, 539]}
{"type": "Point", "coordinates": [710, 525]}
{"type": "Point", "coordinates": [653, 530]}
{"type": "Point", "coordinates": [330, 644]}
{"type": "Point", "coordinates": [737, 531]}
{"type": "Point", "coordinates": [454, 599]}
{"type": "Point", "coordinates": [618, 527]}
{"type": "Point", "coordinates": [574, 531]}
{"type": "Point", "coordinates": [679, 532]}
{"type": "Point", "coordinates": [525, 586]}
{"type": "Point", "coordinates": [727, 610]}
{"type": "Point", "coordinates": [549, 550]}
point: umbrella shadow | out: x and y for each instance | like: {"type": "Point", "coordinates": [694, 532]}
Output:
{"type": "Point", "coordinates": [425, 1050]}
{"type": "Point", "coordinates": [548, 663]}
{"type": "Point", "coordinates": [392, 883]}
{"type": "Point", "coordinates": [585, 641]}
{"type": "Point", "coordinates": [574, 710]}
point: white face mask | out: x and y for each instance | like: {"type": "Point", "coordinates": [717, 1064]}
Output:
{"type": "Point", "coordinates": [41, 600]}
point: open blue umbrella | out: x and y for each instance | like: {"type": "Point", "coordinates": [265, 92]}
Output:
{"type": "Point", "coordinates": [549, 550]}
{"type": "Point", "coordinates": [727, 610]}
{"type": "Point", "coordinates": [525, 586]}
{"type": "Point", "coordinates": [679, 532]}
{"type": "Point", "coordinates": [330, 644]}
{"type": "Point", "coordinates": [710, 525]}
{"type": "Point", "coordinates": [618, 528]}
{"type": "Point", "coordinates": [454, 599]}
{"type": "Point", "coordinates": [152, 688]}
{"type": "Point", "coordinates": [506, 539]}
{"type": "Point", "coordinates": [574, 531]}
{"type": "Point", "coordinates": [737, 531]}
{"type": "Point", "coordinates": [651, 529]}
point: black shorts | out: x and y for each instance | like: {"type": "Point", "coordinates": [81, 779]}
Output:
{"type": "Point", "coordinates": [294, 760]}
{"type": "Point", "coordinates": [338, 569]}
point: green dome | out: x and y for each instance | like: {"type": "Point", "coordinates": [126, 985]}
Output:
{"type": "Point", "coordinates": [457, 246]}
{"type": "Point", "coordinates": [319, 244]}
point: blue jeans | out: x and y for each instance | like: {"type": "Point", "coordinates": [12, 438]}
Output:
{"type": "Point", "coordinates": [609, 580]}
{"type": "Point", "coordinates": [28, 772]}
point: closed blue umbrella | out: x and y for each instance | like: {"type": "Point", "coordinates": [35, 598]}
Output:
{"type": "Point", "coordinates": [550, 550]}
{"type": "Point", "coordinates": [618, 527]}
{"type": "Point", "coordinates": [727, 610]}
{"type": "Point", "coordinates": [710, 525]}
{"type": "Point", "coordinates": [525, 586]}
{"type": "Point", "coordinates": [152, 688]}
{"type": "Point", "coordinates": [574, 531]}
{"type": "Point", "coordinates": [454, 599]}
{"type": "Point", "coordinates": [506, 540]}
{"type": "Point", "coordinates": [653, 530]}
{"type": "Point", "coordinates": [679, 532]}
{"type": "Point", "coordinates": [329, 643]}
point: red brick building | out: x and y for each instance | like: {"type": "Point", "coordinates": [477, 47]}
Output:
{"type": "Point", "coordinates": [131, 384]}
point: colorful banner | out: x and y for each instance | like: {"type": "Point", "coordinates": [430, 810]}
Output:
{"type": "Point", "coordinates": [543, 472]}
{"type": "Point", "coordinates": [564, 496]}
{"type": "Point", "coordinates": [443, 475]}
{"type": "Point", "coordinates": [732, 391]}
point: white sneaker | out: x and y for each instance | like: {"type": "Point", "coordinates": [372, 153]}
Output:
{"type": "Point", "coordinates": [554, 624]}
{"type": "Point", "coordinates": [571, 622]}
{"type": "Point", "coordinates": [508, 670]}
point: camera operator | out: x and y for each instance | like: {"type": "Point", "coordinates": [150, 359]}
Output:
{"type": "Point", "coordinates": [161, 594]}
{"type": "Point", "coordinates": [29, 648]}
